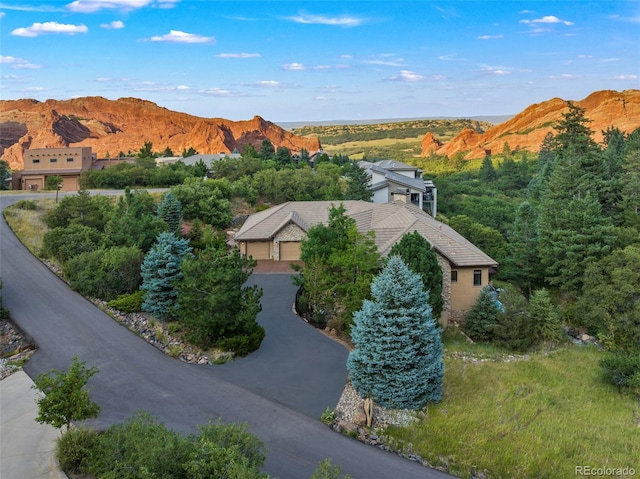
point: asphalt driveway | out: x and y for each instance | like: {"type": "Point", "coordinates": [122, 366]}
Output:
{"type": "Point", "coordinates": [273, 390]}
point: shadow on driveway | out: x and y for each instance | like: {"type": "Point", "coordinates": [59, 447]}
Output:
{"type": "Point", "coordinates": [296, 364]}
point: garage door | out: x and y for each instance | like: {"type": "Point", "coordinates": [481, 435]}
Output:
{"type": "Point", "coordinates": [259, 250]}
{"type": "Point", "coordinates": [289, 250]}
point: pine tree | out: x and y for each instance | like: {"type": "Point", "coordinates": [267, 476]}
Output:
{"type": "Point", "coordinates": [482, 317]}
{"type": "Point", "coordinates": [170, 210]}
{"type": "Point", "coordinates": [420, 257]}
{"type": "Point", "coordinates": [214, 302]}
{"type": "Point", "coordinates": [397, 360]}
{"type": "Point", "coordinates": [487, 173]}
{"type": "Point", "coordinates": [522, 264]}
{"type": "Point", "coordinates": [357, 183]}
{"type": "Point", "coordinates": [160, 270]}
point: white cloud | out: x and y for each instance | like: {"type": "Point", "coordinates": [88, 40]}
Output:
{"type": "Point", "coordinates": [563, 76]}
{"type": "Point", "coordinates": [498, 71]}
{"type": "Point", "coordinates": [176, 36]}
{"type": "Point", "coordinates": [18, 63]}
{"type": "Point", "coordinates": [407, 75]}
{"type": "Point", "coordinates": [2, 14]}
{"type": "Point", "coordinates": [346, 57]}
{"type": "Point", "coordinates": [342, 21]}
{"type": "Point", "coordinates": [218, 92]}
{"type": "Point", "coordinates": [90, 6]}
{"type": "Point", "coordinates": [390, 63]}
{"type": "Point", "coordinates": [115, 25]}
{"type": "Point", "coordinates": [490, 37]}
{"type": "Point", "coordinates": [293, 66]}
{"type": "Point", "coordinates": [268, 84]}
{"type": "Point", "coordinates": [238, 55]}
{"type": "Point", "coordinates": [320, 98]}
{"type": "Point", "coordinates": [49, 27]}
{"type": "Point", "coordinates": [625, 77]}
{"type": "Point", "coordinates": [322, 67]}
{"type": "Point", "coordinates": [546, 19]}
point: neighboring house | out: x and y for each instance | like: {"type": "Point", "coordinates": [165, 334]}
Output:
{"type": "Point", "coordinates": [392, 180]}
{"type": "Point", "coordinates": [193, 159]}
{"type": "Point", "coordinates": [69, 163]}
{"type": "Point", "coordinates": [277, 233]}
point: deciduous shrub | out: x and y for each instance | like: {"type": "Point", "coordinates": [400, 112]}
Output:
{"type": "Point", "coordinates": [73, 449]}
{"type": "Point", "coordinates": [623, 371]}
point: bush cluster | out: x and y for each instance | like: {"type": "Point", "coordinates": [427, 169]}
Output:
{"type": "Point", "coordinates": [623, 371]}
{"type": "Point", "coordinates": [144, 447]}
{"type": "Point", "coordinates": [514, 323]}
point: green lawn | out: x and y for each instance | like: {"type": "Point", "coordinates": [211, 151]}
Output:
{"type": "Point", "coordinates": [537, 416]}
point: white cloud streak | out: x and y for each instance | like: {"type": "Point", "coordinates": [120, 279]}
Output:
{"type": "Point", "coordinates": [548, 19]}
{"type": "Point", "coordinates": [115, 25]}
{"type": "Point", "coordinates": [238, 55]}
{"type": "Point", "coordinates": [18, 63]}
{"type": "Point", "coordinates": [341, 21]}
{"type": "Point", "coordinates": [176, 36]}
{"type": "Point", "coordinates": [38, 29]}
{"type": "Point", "coordinates": [490, 37]}
{"type": "Point", "coordinates": [90, 6]}
{"type": "Point", "coordinates": [294, 67]}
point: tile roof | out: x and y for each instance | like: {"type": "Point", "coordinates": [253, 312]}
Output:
{"type": "Point", "coordinates": [389, 221]}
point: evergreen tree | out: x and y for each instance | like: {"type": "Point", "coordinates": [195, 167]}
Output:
{"type": "Point", "coordinates": [397, 360]}
{"type": "Point", "coordinates": [214, 302]}
{"type": "Point", "coordinates": [630, 201]}
{"type": "Point", "coordinates": [170, 210]}
{"type": "Point", "coordinates": [487, 173]}
{"type": "Point", "coordinates": [133, 221]}
{"type": "Point", "coordinates": [420, 257]}
{"type": "Point", "coordinates": [482, 317]}
{"type": "Point", "coordinates": [5, 176]}
{"type": "Point", "coordinates": [522, 264]}
{"type": "Point", "coordinates": [546, 161]}
{"type": "Point", "coordinates": [305, 159]}
{"type": "Point", "coordinates": [189, 152]}
{"type": "Point", "coordinates": [572, 235]}
{"type": "Point", "coordinates": [283, 156]}
{"type": "Point", "coordinates": [160, 271]}
{"type": "Point", "coordinates": [358, 187]}
{"type": "Point", "coordinates": [547, 326]}
{"type": "Point", "coordinates": [610, 304]}
{"type": "Point", "coordinates": [267, 150]}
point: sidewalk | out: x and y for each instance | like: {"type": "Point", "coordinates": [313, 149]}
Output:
{"type": "Point", "coordinates": [26, 447]}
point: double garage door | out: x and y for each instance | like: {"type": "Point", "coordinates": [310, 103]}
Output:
{"type": "Point", "coordinates": [289, 250]}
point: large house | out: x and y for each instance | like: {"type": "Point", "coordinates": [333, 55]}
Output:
{"type": "Point", "coordinates": [276, 234]}
{"type": "Point", "coordinates": [392, 180]}
{"type": "Point", "coordinates": [68, 163]}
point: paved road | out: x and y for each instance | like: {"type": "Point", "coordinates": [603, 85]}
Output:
{"type": "Point", "coordinates": [280, 406]}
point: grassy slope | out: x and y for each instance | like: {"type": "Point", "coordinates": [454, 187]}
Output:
{"type": "Point", "coordinates": [538, 416]}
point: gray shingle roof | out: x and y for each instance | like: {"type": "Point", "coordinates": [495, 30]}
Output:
{"type": "Point", "coordinates": [389, 221]}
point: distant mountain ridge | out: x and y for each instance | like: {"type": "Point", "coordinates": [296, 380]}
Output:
{"type": "Point", "coordinates": [526, 130]}
{"type": "Point", "coordinates": [113, 126]}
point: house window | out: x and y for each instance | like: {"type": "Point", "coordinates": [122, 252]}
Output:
{"type": "Point", "coordinates": [35, 160]}
{"type": "Point", "coordinates": [69, 160]}
{"type": "Point", "coordinates": [477, 277]}
{"type": "Point", "coordinates": [53, 160]}
{"type": "Point", "coordinates": [454, 276]}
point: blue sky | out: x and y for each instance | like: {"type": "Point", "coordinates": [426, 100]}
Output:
{"type": "Point", "coordinates": [312, 61]}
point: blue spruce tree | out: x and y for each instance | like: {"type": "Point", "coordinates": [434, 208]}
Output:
{"type": "Point", "coordinates": [170, 210]}
{"type": "Point", "coordinates": [160, 270]}
{"type": "Point", "coordinates": [397, 361]}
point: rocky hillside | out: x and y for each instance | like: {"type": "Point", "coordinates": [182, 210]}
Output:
{"type": "Point", "coordinates": [110, 127]}
{"type": "Point", "coordinates": [526, 130]}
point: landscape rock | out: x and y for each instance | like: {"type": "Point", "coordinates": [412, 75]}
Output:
{"type": "Point", "coordinates": [527, 130]}
{"type": "Point", "coordinates": [124, 125]}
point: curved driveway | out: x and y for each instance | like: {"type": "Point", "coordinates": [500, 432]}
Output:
{"type": "Point", "coordinates": [277, 391]}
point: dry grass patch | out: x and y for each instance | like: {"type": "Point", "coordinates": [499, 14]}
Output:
{"type": "Point", "coordinates": [28, 224]}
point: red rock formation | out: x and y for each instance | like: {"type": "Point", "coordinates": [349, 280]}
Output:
{"type": "Point", "coordinates": [125, 125]}
{"type": "Point", "coordinates": [526, 130]}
